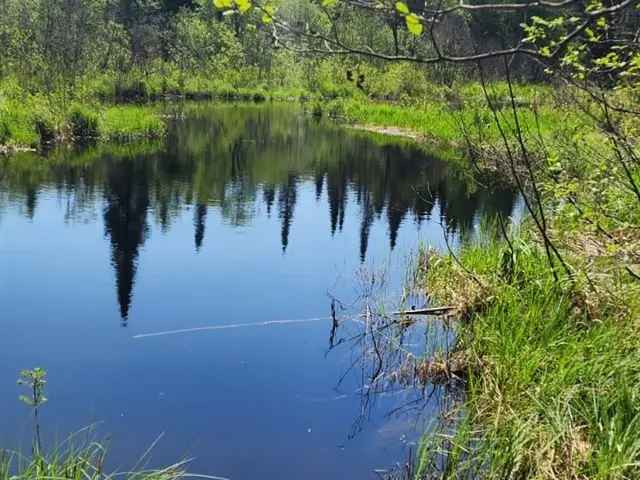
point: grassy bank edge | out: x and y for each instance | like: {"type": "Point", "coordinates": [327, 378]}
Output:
{"type": "Point", "coordinates": [30, 123]}
{"type": "Point", "coordinates": [553, 368]}
{"type": "Point", "coordinates": [434, 122]}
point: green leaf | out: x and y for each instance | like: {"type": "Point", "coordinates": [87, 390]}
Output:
{"type": "Point", "coordinates": [414, 24]}
{"type": "Point", "coordinates": [243, 5]}
{"type": "Point", "coordinates": [402, 8]}
{"type": "Point", "coordinates": [223, 4]}
{"type": "Point", "coordinates": [329, 3]}
{"type": "Point", "coordinates": [269, 12]}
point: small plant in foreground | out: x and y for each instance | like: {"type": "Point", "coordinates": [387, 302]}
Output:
{"type": "Point", "coordinates": [76, 458]}
{"type": "Point", "coordinates": [34, 380]}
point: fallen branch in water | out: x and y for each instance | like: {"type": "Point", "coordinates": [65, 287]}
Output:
{"type": "Point", "coordinates": [426, 311]}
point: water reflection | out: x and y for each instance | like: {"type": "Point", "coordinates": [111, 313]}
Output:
{"type": "Point", "coordinates": [245, 162]}
{"type": "Point", "coordinates": [126, 194]}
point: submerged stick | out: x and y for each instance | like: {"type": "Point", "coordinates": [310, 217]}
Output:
{"type": "Point", "coordinates": [426, 311]}
{"type": "Point", "coordinates": [228, 327]}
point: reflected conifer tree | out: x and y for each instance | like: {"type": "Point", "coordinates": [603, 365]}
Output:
{"type": "Point", "coordinates": [125, 220]}
{"type": "Point", "coordinates": [319, 182]}
{"type": "Point", "coordinates": [337, 196]}
{"type": "Point", "coordinates": [269, 196]}
{"type": "Point", "coordinates": [367, 221]}
{"type": "Point", "coordinates": [31, 201]}
{"type": "Point", "coordinates": [286, 205]}
{"type": "Point", "coordinates": [199, 222]}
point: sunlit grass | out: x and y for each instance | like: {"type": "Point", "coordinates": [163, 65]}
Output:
{"type": "Point", "coordinates": [79, 463]}
{"type": "Point", "coordinates": [125, 122]}
{"type": "Point", "coordinates": [444, 120]}
{"type": "Point", "coordinates": [555, 392]}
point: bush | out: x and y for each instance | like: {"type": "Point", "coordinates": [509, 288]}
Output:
{"type": "Point", "coordinates": [5, 133]}
{"type": "Point", "coordinates": [336, 108]}
{"type": "Point", "coordinates": [131, 91]}
{"type": "Point", "coordinates": [46, 128]}
{"type": "Point", "coordinates": [84, 125]}
{"type": "Point", "coordinates": [317, 109]}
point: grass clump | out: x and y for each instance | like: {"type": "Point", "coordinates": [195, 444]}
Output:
{"type": "Point", "coordinates": [84, 124]}
{"type": "Point", "coordinates": [35, 119]}
{"type": "Point", "coordinates": [76, 463]}
{"type": "Point", "coordinates": [127, 122]}
{"type": "Point", "coordinates": [68, 461]}
{"type": "Point", "coordinates": [553, 389]}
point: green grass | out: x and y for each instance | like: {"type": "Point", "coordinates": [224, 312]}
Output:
{"type": "Point", "coordinates": [28, 121]}
{"type": "Point", "coordinates": [73, 463]}
{"type": "Point", "coordinates": [18, 119]}
{"type": "Point", "coordinates": [442, 117]}
{"type": "Point", "coordinates": [126, 122]}
{"type": "Point", "coordinates": [432, 112]}
{"type": "Point", "coordinates": [554, 379]}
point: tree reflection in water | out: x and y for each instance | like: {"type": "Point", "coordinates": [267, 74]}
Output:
{"type": "Point", "coordinates": [241, 161]}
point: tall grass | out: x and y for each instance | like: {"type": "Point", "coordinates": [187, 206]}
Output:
{"type": "Point", "coordinates": [78, 463]}
{"type": "Point", "coordinates": [125, 122]}
{"type": "Point", "coordinates": [554, 378]}
{"type": "Point", "coordinates": [443, 117]}
{"type": "Point", "coordinates": [31, 121]}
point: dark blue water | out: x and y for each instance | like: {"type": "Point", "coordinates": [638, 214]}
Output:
{"type": "Point", "coordinates": [243, 215]}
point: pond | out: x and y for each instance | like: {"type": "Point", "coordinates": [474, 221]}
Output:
{"type": "Point", "coordinates": [181, 291]}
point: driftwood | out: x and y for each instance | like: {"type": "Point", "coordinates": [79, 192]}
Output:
{"type": "Point", "coordinates": [426, 311]}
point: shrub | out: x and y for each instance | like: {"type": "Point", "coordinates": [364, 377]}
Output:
{"type": "Point", "coordinates": [131, 91]}
{"type": "Point", "coordinates": [336, 108]}
{"type": "Point", "coordinates": [45, 128]}
{"type": "Point", "coordinates": [5, 133]}
{"type": "Point", "coordinates": [84, 125]}
{"type": "Point", "coordinates": [317, 109]}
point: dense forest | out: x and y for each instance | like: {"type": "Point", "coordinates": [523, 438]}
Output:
{"type": "Point", "coordinates": [61, 57]}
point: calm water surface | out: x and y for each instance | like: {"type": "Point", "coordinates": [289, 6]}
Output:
{"type": "Point", "coordinates": [244, 215]}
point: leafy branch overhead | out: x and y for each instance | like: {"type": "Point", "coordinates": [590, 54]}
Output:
{"type": "Point", "coordinates": [413, 22]}
{"type": "Point", "coordinates": [560, 34]}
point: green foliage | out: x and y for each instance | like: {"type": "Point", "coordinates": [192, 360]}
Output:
{"type": "Point", "coordinates": [76, 459]}
{"type": "Point", "coordinates": [71, 460]}
{"type": "Point", "coordinates": [201, 45]}
{"type": "Point", "coordinates": [581, 45]}
{"type": "Point", "coordinates": [84, 124]}
{"type": "Point", "coordinates": [129, 122]}
{"type": "Point", "coordinates": [5, 132]}
{"type": "Point", "coordinates": [35, 381]}
{"type": "Point", "coordinates": [555, 390]}
{"type": "Point", "coordinates": [46, 127]}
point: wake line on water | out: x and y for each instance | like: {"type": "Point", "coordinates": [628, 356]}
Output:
{"type": "Point", "coordinates": [229, 327]}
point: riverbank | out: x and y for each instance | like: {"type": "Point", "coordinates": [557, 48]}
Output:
{"type": "Point", "coordinates": [550, 346]}
{"type": "Point", "coordinates": [23, 128]}
{"type": "Point", "coordinates": [553, 368]}
{"type": "Point", "coordinates": [112, 111]}
{"type": "Point", "coordinates": [109, 111]}
{"type": "Point", "coordinates": [548, 327]}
